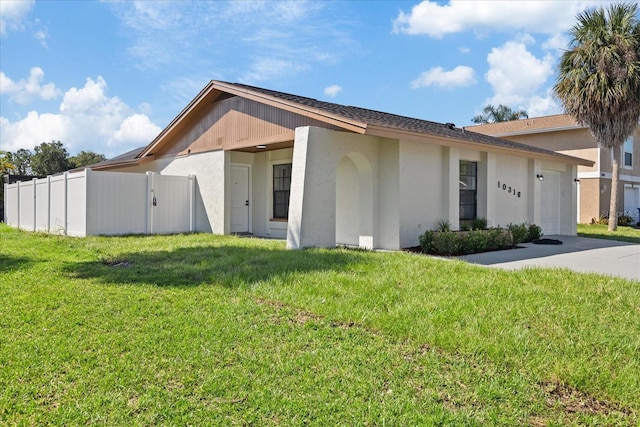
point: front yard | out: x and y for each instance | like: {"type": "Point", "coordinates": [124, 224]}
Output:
{"type": "Point", "coordinates": [212, 330]}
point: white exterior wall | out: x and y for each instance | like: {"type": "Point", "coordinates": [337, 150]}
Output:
{"type": "Point", "coordinates": [209, 168]}
{"type": "Point", "coordinates": [388, 226]}
{"type": "Point", "coordinates": [421, 172]}
{"type": "Point", "coordinates": [312, 205]}
{"type": "Point", "coordinates": [511, 193]}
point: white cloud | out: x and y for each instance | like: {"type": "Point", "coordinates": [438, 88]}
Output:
{"type": "Point", "coordinates": [87, 120]}
{"type": "Point", "coordinates": [41, 36]}
{"type": "Point", "coordinates": [435, 20]}
{"type": "Point", "coordinates": [332, 90]}
{"type": "Point", "coordinates": [267, 68]}
{"type": "Point", "coordinates": [515, 74]}
{"type": "Point", "coordinates": [12, 12]}
{"type": "Point", "coordinates": [458, 77]}
{"type": "Point", "coordinates": [269, 40]}
{"type": "Point", "coordinates": [26, 90]}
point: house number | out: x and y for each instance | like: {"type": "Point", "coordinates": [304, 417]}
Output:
{"type": "Point", "coordinates": [509, 189]}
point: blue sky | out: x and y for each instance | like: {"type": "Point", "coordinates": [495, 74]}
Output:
{"type": "Point", "coordinates": [107, 76]}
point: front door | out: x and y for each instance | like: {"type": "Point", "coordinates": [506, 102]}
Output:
{"type": "Point", "coordinates": [550, 201]}
{"type": "Point", "coordinates": [239, 199]}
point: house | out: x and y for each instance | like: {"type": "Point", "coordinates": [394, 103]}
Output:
{"type": "Point", "coordinates": [320, 174]}
{"type": "Point", "coordinates": [562, 134]}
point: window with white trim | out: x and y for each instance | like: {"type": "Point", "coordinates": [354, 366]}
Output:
{"type": "Point", "coordinates": [627, 153]}
{"type": "Point", "coordinates": [281, 189]}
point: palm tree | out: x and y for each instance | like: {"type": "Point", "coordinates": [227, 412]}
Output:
{"type": "Point", "coordinates": [501, 113]}
{"type": "Point", "coordinates": [599, 80]}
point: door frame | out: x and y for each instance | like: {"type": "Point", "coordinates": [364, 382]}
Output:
{"type": "Point", "coordinates": [249, 196]}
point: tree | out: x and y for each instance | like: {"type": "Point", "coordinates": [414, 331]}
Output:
{"type": "Point", "coordinates": [501, 113]}
{"type": "Point", "coordinates": [5, 163]}
{"type": "Point", "coordinates": [599, 80]}
{"type": "Point", "coordinates": [21, 159]}
{"type": "Point", "coordinates": [86, 158]}
{"type": "Point", "coordinates": [50, 158]}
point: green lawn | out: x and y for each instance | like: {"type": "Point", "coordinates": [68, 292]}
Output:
{"type": "Point", "coordinates": [600, 231]}
{"type": "Point", "coordinates": [219, 330]}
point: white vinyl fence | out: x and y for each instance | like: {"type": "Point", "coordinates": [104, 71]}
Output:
{"type": "Point", "coordinates": [102, 203]}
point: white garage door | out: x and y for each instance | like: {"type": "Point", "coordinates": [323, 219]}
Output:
{"type": "Point", "coordinates": [632, 202]}
{"type": "Point", "coordinates": [550, 200]}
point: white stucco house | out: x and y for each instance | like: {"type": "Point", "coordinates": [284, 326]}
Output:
{"type": "Point", "coordinates": [315, 173]}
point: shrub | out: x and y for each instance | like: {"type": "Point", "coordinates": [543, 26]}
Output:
{"type": "Point", "coordinates": [534, 233]}
{"type": "Point", "coordinates": [446, 243]}
{"type": "Point", "coordinates": [465, 227]}
{"type": "Point", "coordinates": [476, 241]}
{"type": "Point", "coordinates": [479, 224]}
{"type": "Point", "coordinates": [426, 242]}
{"type": "Point", "coordinates": [519, 232]}
{"type": "Point", "coordinates": [444, 225]}
{"type": "Point", "coordinates": [625, 219]}
{"type": "Point", "coordinates": [499, 238]}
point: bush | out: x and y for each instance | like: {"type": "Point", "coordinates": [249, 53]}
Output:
{"type": "Point", "coordinates": [475, 241]}
{"type": "Point", "coordinates": [519, 233]}
{"type": "Point", "coordinates": [499, 238]}
{"type": "Point", "coordinates": [479, 224]}
{"type": "Point", "coordinates": [426, 242]}
{"type": "Point", "coordinates": [534, 233]}
{"type": "Point", "coordinates": [623, 219]}
{"type": "Point", "coordinates": [446, 243]}
{"type": "Point", "coordinates": [444, 225]}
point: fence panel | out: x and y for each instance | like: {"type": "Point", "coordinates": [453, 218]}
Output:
{"type": "Point", "coordinates": [109, 203]}
{"type": "Point", "coordinates": [117, 203]}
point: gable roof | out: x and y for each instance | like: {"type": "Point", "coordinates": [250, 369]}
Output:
{"type": "Point", "coordinates": [354, 119]}
{"type": "Point", "coordinates": [543, 124]}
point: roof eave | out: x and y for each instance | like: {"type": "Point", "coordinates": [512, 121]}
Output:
{"type": "Point", "coordinates": [461, 143]}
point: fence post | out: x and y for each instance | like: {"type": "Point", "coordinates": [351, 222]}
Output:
{"type": "Point", "coordinates": [192, 210]}
{"type": "Point", "coordinates": [35, 210]}
{"type": "Point", "coordinates": [66, 209]}
{"type": "Point", "coordinates": [149, 202]}
{"type": "Point", "coordinates": [48, 203]}
{"type": "Point", "coordinates": [18, 202]}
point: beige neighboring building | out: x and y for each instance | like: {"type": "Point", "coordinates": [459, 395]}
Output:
{"type": "Point", "coordinates": [562, 134]}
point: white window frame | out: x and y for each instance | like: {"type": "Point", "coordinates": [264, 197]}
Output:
{"type": "Point", "coordinates": [624, 151]}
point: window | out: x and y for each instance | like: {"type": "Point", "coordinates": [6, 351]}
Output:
{"type": "Point", "coordinates": [281, 188]}
{"type": "Point", "coordinates": [627, 153]}
{"type": "Point", "coordinates": [468, 190]}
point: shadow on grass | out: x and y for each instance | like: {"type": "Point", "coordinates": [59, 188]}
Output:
{"type": "Point", "coordinates": [228, 266]}
{"type": "Point", "coordinates": [9, 263]}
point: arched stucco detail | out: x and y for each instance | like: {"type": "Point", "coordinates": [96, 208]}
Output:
{"type": "Point", "coordinates": [354, 201]}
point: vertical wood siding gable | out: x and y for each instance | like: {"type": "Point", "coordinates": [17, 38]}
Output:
{"type": "Point", "coordinates": [235, 120]}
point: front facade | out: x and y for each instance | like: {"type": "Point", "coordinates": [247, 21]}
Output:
{"type": "Point", "coordinates": [320, 174]}
{"type": "Point", "coordinates": [562, 134]}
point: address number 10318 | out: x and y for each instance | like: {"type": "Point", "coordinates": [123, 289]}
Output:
{"type": "Point", "coordinates": [509, 189]}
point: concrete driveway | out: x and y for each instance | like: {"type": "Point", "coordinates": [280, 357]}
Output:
{"type": "Point", "coordinates": [580, 254]}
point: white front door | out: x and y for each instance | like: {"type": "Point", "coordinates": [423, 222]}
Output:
{"type": "Point", "coordinates": [550, 200]}
{"type": "Point", "coordinates": [240, 199]}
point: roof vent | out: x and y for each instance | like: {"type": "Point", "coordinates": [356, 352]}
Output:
{"type": "Point", "coordinates": [451, 126]}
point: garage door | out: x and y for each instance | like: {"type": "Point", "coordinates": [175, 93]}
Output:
{"type": "Point", "coordinates": [550, 200]}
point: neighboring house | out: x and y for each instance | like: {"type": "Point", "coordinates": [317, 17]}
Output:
{"type": "Point", "coordinates": [562, 134]}
{"type": "Point", "coordinates": [321, 174]}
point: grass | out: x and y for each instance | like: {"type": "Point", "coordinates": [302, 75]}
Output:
{"type": "Point", "coordinates": [220, 330]}
{"type": "Point", "coordinates": [600, 231]}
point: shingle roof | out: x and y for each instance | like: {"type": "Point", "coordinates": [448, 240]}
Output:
{"type": "Point", "coordinates": [128, 157]}
{"type": "Point", "coordinates": [394, 121]}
